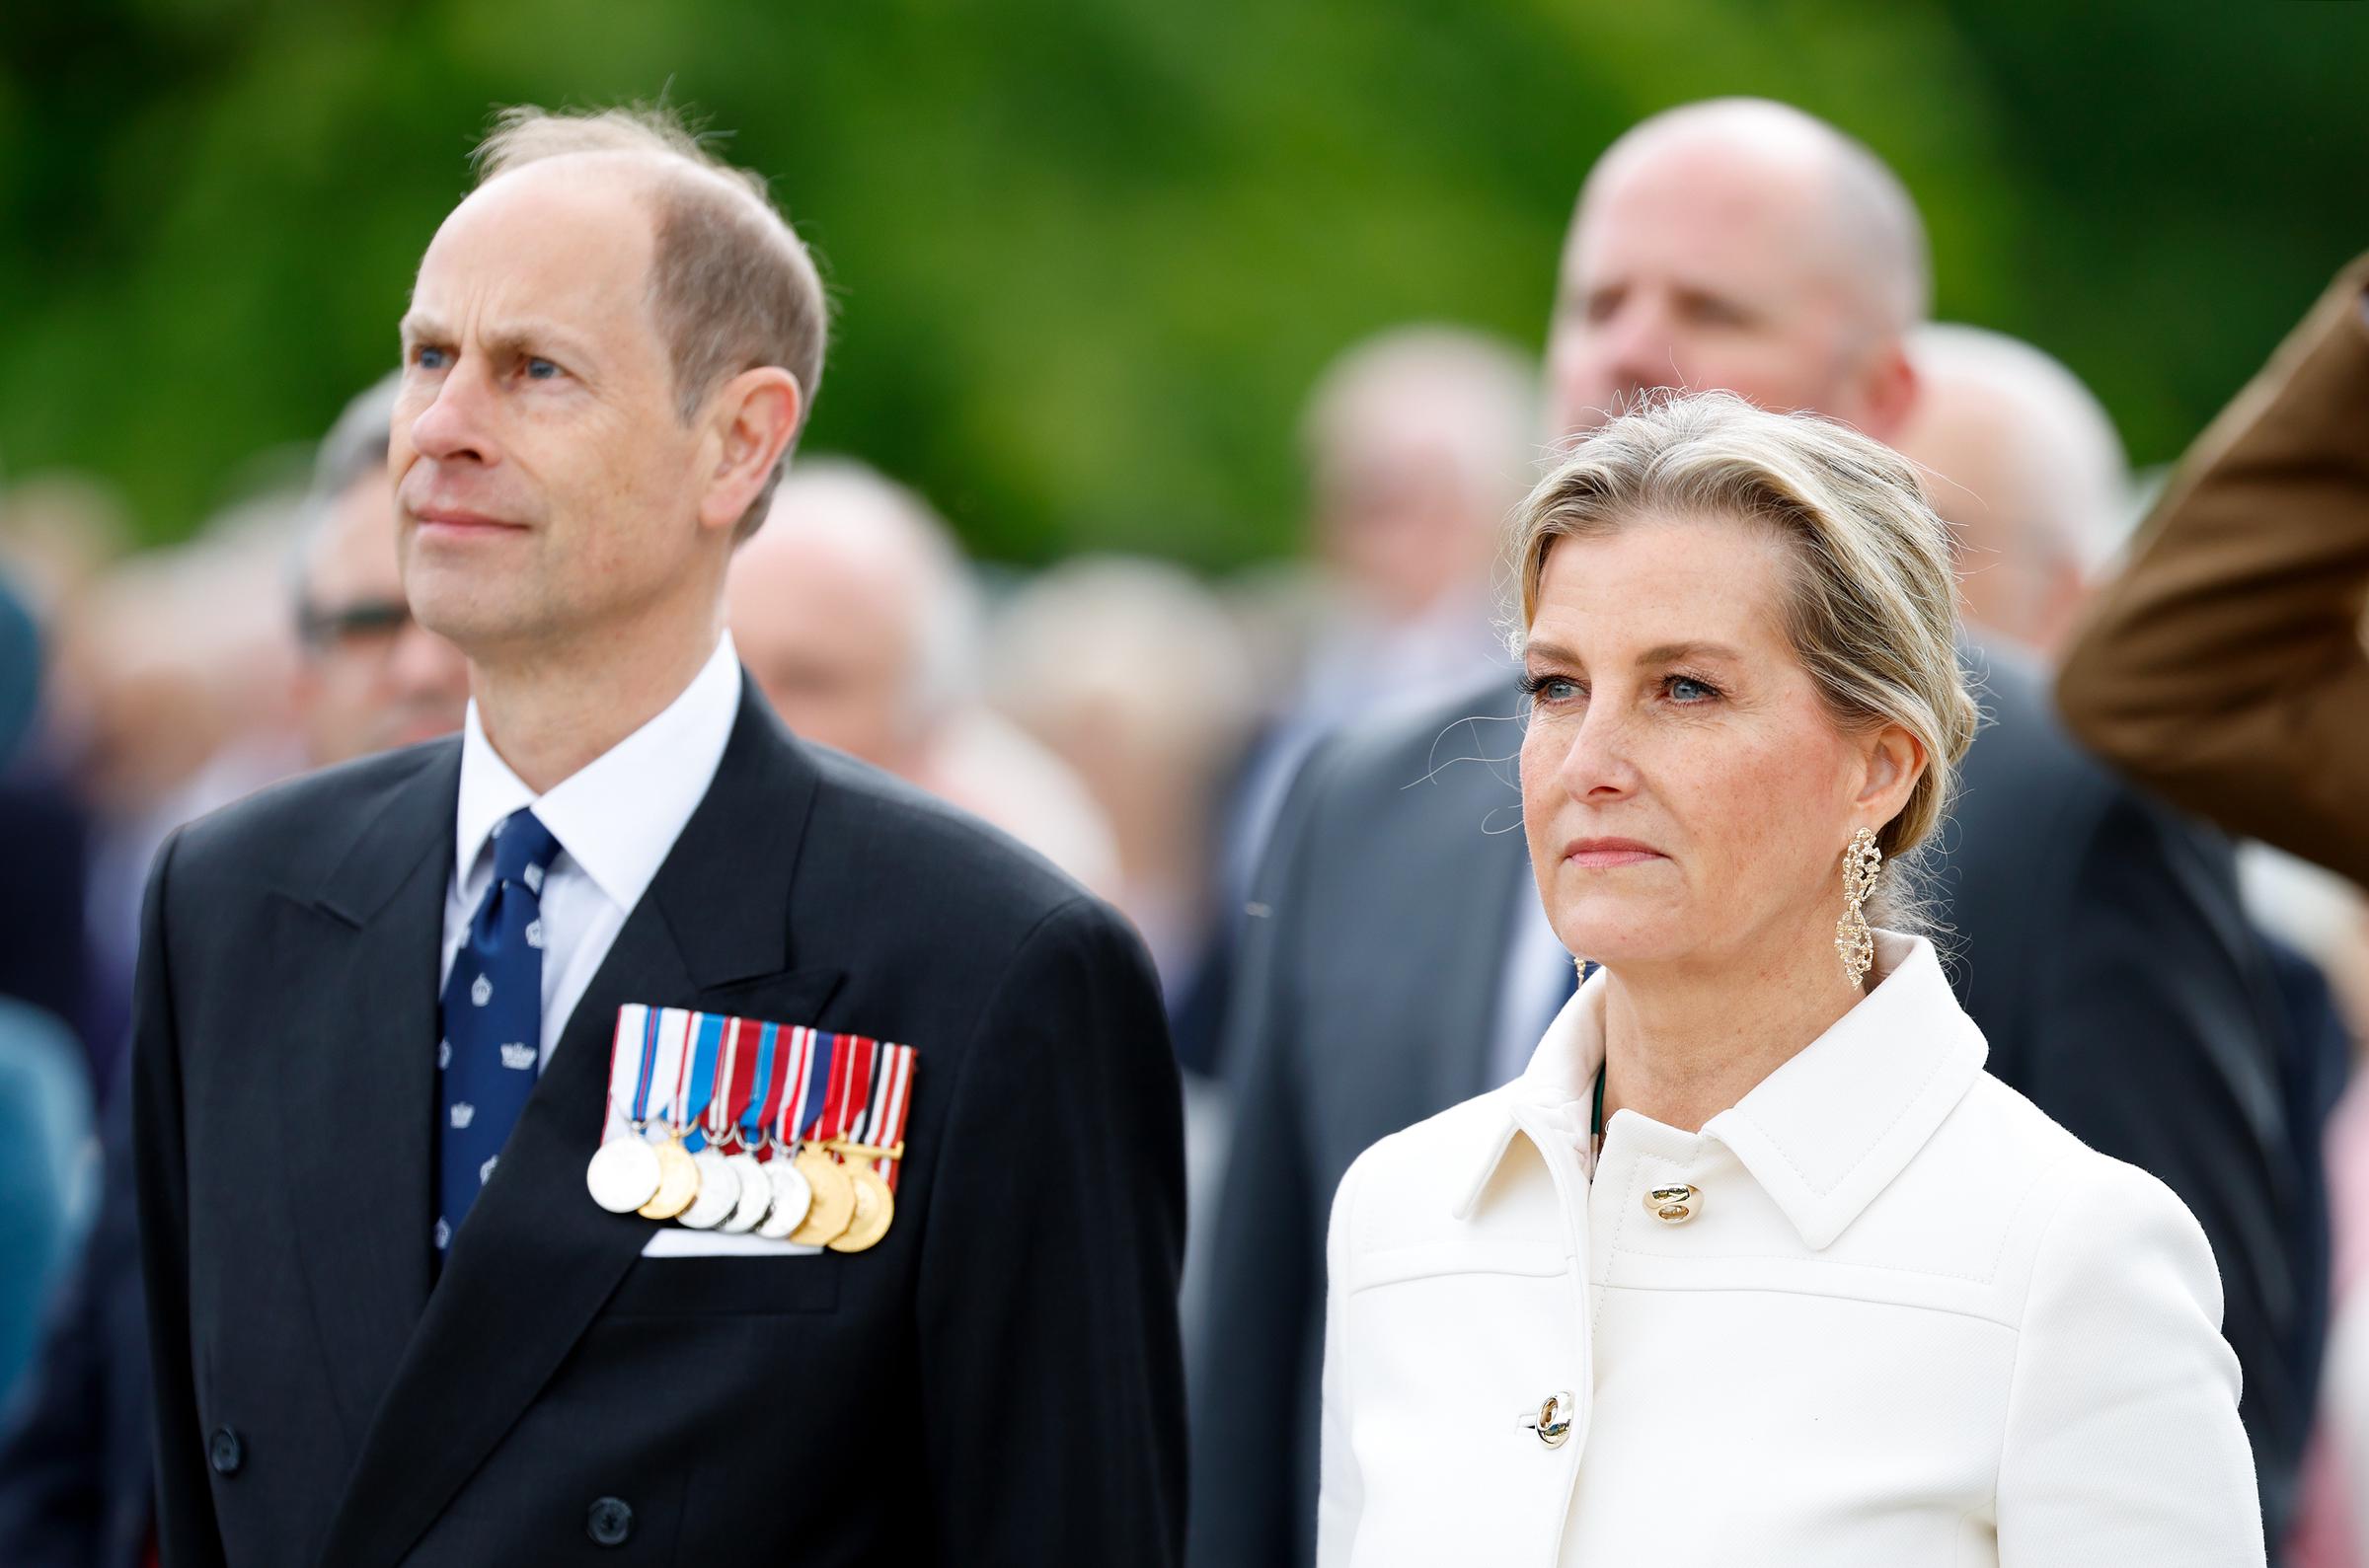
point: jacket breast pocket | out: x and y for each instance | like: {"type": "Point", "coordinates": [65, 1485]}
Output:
{"type": "Point", "coordinates": [726, 1287]}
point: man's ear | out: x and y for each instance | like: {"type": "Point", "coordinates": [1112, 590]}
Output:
{"type": "Point", "coordinates": [1887, 391]}
{"type": "Point", "coordinates": [752, 417]}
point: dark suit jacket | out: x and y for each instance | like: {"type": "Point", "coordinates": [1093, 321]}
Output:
{"type": "Point", "coordinates": [998, 1382]}
{"type": "Point", "coordinates": [2098, 947]}
{"type": "Point", "coordinates": [77, 1481]}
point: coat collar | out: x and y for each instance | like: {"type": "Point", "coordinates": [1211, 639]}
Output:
{"type": "Point", "coordinates": [1824, 1133]}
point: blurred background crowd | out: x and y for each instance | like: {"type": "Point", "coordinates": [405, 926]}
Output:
{"type": "Point", "coordinates": [1188, 361]}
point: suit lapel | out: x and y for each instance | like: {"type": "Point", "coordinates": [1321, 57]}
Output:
{"type": "Point", "coordinates": [358, 1077]}
{"type": "Point", "coordinates": [537, 1256]}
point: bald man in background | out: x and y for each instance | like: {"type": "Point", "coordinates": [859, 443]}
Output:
{"type": "Point", "coordinates": [1398, 963]}
{"type": "Point", "coordinates": [2022, 462]}
{"type": "Point", "coordinates": [855, 612]}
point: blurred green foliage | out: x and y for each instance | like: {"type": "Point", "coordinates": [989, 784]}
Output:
{"type": "Point", "coordinates": [1089, 254]}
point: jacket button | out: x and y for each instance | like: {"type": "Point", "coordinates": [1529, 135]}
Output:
{"type": "Point", "coordinates": [610, 1521]}
{"type": "Point", "coordinates": [225, 1452]}
{"type": "Point", "coordinates": [1552, 1420]}
{"type": "Point", "coordinates": [1673, 1205]}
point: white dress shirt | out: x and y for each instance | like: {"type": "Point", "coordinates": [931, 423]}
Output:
{"type": "Point", "coordinates": [616, 819]}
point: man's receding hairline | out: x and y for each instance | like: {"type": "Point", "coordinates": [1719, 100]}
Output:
{"type": "Point", "coordinates": [1866, 198]}
{"type": "Point", "coordinates": [663, 172]}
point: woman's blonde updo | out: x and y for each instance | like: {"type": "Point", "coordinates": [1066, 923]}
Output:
{"type": "Point", "coordinates": [1873, 611]}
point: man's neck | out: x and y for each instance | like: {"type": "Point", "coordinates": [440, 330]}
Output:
{"type": "Point", "coordinates": [1682, 1045]}
{"type": "Point", "coordinates": [551, 710]}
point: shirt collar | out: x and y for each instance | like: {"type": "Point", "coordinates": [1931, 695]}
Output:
{"type": "Point", "coordinates": [617, 816]}
{"type": "Point", "coordinates": [1830, 1128]}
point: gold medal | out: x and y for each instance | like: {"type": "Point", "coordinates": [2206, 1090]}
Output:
{"type": "Point", "coordinates": [834, 1205]}
{"type": "Point", "coordinates": [876, 1208]}
{"type": "Point", "coordinates": [678, 1182]}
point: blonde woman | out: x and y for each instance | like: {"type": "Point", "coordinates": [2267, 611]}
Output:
{"type": "Point", "coordinates": [1755, 1265]}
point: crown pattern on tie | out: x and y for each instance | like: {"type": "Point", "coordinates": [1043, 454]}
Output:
{"type": "Point", "coordinates": [492, 1018]}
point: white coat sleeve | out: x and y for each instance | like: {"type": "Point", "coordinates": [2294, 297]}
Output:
{"type": "Point", "coordinates": [2122, 1442]}
{"type": "Point", "coordinates": [1340, 1490]}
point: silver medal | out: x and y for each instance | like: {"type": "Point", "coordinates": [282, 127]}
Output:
{"type": "Point", "coordinates": [792, 1197]}
{"type": "Point", "coordinates": [622, 1175]}
{"type": "Point", "coordinates": [756, 1195]}
{"type": "Point", "coordinates": [719, 1192]}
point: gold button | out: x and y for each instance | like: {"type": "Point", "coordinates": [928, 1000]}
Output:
{"type": "Point", "coordinates": [1552, 1421]}
{"type": "Point", "coordinates": [1673, 1205]}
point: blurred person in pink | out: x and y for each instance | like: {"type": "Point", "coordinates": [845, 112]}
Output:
{"type": "Point", "coordinates": [856, 614]}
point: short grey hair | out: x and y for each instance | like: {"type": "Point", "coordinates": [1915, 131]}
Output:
{"type": "Point", "coordinates": [733, 285]}
{"type": "Point", "coordinates": [356, 449]}
{"type": "Point", "coordinates": [2079, 515]}
{"type": "Point", "coordinates": [1486, 392]}
{"type": "Point", "coordinates": [1873, 613]}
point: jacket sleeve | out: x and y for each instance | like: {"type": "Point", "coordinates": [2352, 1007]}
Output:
{"type": "Point", "coordinates": [1047, 1295]}
{"type": "Point", "coordinates": [2225, 666]}
{"type": "Point", "coordinates": [2122, 1441]}
{"type": "Point", "coordinates": [186, 1534]}
{"type": "Point", "coordinates": [1251, 1360]}
{"type": "Point", "coordinates": [1341, 1493]}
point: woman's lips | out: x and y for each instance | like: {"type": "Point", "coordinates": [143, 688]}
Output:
{"type": "Point", "coordinates": [1600, 854]}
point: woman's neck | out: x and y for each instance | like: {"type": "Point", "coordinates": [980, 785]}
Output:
{"type": "Point", "coordinates": [1683, 1044]}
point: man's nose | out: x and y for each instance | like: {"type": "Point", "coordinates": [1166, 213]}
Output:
{"type": "Point", "coordinates": [1641, 348]}
{"type": "Point", "coordinates": [453, 426]}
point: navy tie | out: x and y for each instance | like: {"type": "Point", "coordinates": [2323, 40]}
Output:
{"type": "Point", "coordinates": [492, 1045]}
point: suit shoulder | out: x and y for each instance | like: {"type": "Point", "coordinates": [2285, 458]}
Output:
{"type": "Point", "coordinates": [1474, 728]}
{"type": "Point", "coordinates": [908, 846]}
{"type": "Point", "coordinates": [302, 825]}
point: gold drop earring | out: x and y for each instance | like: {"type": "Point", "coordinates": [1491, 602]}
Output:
{"type": "Point", "coordinates": [1853, 940]}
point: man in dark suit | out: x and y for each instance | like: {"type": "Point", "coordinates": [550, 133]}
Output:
{"type": "Point", "coordinates": [375, 1345]}
{"type": "Point", "coordinates": [1396, 961]}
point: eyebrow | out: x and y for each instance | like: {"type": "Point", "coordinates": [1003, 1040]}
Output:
{"type": "Point", "coordinates": [1663, 653]}
{"type": "Point", "coordinates": [528, 335]}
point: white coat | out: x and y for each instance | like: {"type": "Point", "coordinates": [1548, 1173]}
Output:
{"type": "Point", "coordinates": [1908, 1320]}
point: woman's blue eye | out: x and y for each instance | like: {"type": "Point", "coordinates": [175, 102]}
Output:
{"type": "Point", "coordinates": [1686, 690]}
{"type": "Point", "coordinates": [1555, 689]}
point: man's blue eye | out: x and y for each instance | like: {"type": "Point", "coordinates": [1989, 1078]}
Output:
{"type": "Point", "coordinates": [541, 370]}
{"type": "Point", "coordinates": [431, 358]}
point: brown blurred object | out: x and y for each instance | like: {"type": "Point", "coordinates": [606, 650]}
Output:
{"type": "Point", "coordinates": [2024, 463]}
{"type": "Point", "coordinates": [2225, 666]}
{"type": "Point", "coordinates": [853, 610]}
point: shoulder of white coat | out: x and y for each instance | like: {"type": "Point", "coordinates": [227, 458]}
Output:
{"type": "Point", "coordinates": [2003, 1178]}
{"type": "Point", "coordinates": [1403, 1190]}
